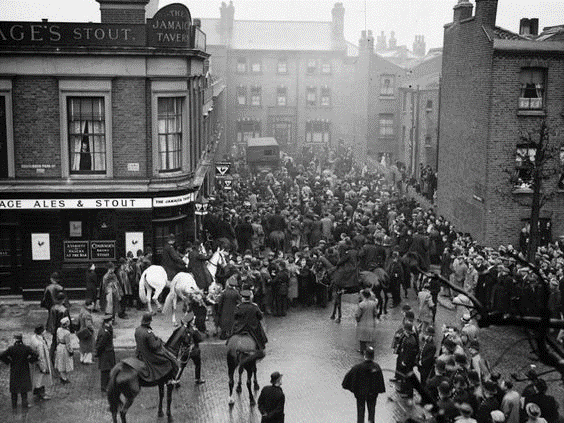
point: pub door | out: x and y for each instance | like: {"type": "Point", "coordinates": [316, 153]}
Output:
{"type": "Point", "coordinates": [10, 259]}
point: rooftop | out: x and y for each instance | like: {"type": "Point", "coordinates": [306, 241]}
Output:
{"type": "Point", "coordinates": [261, 142]}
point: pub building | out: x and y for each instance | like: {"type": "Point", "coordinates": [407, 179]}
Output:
{"type": "Point", "coordinates": [107, 132]}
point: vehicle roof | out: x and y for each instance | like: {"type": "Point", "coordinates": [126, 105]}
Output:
{"type": "Point", "coordinates": [262, 142]}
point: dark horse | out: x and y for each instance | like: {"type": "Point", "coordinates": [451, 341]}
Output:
{"type": "Point", "coordinates": [125, 377]}
{"type": "Point", "coordinates": [379, 282]}
{"type": "Point", "coordinates": [242, 352]}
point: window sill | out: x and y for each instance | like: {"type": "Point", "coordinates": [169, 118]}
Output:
{"type": "Point", "coordinates": [525, 112]}
{"type": "Point", "coordinates": [89, 176]}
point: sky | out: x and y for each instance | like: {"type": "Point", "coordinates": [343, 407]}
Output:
{"type": "Point", "coordinates": [406, 17]}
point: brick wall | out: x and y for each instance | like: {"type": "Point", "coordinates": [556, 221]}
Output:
{"type": "Point", "coordinates": [37, 133]}
{"type": "Point", "coordinates": [120, 16]}
{"type": "Point", "coordinates": [130, 132]}
{"type": "Point", "coordinates": [464, 131]}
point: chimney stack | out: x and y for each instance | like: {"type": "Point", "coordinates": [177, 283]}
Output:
{"type": "Point", "coordinates": [392, 43]}
{"type": "Point", "coordinates": [122, 11]}
{"type": "Point", "coordinates": [419, 46]}
{"type": "Point", "coordinates": [486, 12]}
{"type": "Point", "coordinates": [529, 27]}
{"type": "Point", "coordinates": [463, 10]}
{"type": "Point", "coordinates": [338, 22]}
{"type": "Point", "coordinates": [227, 14]}
{"type": "Point", "coordinates": [381, 42]}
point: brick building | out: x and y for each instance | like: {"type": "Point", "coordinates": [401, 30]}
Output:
{"type": "Point", "coordinates": [107, 130]}
{"type": "Point", "coordinates": [496, 85]}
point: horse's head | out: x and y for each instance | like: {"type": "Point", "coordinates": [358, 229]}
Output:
{"type": "Point", "coordinates": [221, 257]}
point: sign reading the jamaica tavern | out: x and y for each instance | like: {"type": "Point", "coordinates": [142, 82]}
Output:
{"type": "Point", "coordinates": [170, 27]}
{"type": "Point", "coordinates": [71, 34]}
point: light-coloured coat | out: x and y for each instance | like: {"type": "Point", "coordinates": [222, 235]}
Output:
{"type": "Point", "coordinates": [41, 370]}
{"type": "Point", "coordinates": [85, 321]}
{"type": "Point", "coordinates": [366, 320]}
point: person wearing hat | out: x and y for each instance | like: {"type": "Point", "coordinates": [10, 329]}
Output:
{"type": "Point", "coordinates": [365, 380]}
{"type": "Point", "coordinates": [85, 333]}
{"type": "Point", "coordinates": [426, 358]}
{"type": "Point", "coordinates": [41, 370]}
{"type": "Point", "coordinates": [171, 259]}
{"type": "Point", "coordinates": [271, 400]}
{"type": "Point", "coordinates": [546, 403]}
{"type": "Point", "coordinates": [56, 314]}
{"type": "Point", "coordinates": [248, 319]}
{"type": "Point", "coordinates": [407, 358]}
{"type": "Point", "coordinates": [226, 304]}
{"type": "Point", "coordinates": [396, 273]}
{"type": "Point", "coordinates": [489, 403]}
{"type": "Point", "coordinates": [64, 362]}
{"type": "Point", "coordinates": [150, 349]}
{"type": "Point", "coordinates": [197, 265]}
{"type": "Point", "coordinates": [105, 350]}
{"type": "Point", "coordinates": [445, 402]}
{"type": "Point", "coordinates": [534, 413]}
{"type": "Point", "coordinates": [188, 330]}
{"type": "Point", "coordinates": [110, 295]}
{"type": "Point", "coordinates": [51, 292]}
{"type": "Point", "coordinates": [469, 331]}
{"type": "Point", "coordinates": [18, 357]}
{"type": "Point", "coordinates": [465, 414]}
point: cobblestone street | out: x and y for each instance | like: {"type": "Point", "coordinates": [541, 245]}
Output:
{"type": "Point", "coordinates": [312, 351]}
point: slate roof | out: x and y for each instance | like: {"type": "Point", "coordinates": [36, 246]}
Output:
{"type": "Point", "coordinates": [273, 35]}
{"type": "Point", "coordinates": [505, 34]}
{"type": "Point", "coordinates": [552, 33]}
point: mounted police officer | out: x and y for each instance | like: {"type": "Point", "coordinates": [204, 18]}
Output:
{"type": "Point", "coordinates": [248, 320]}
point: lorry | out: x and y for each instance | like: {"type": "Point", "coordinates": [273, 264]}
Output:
{"type": "Point", "coordinates": [263, 154]}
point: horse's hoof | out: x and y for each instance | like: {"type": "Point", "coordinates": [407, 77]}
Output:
{"type": "Point", "coordinates": [169, 417]}
{"type": "Point", "coordinates": [256, 387]}
{"type": "Point", "coordinates": [160, 414]}
{"type": "Point", "coordinates": [231, 402]}
{"type": "Point", "coordinates": [177, 385]}
{"type": "Point", "coordinates": [239, 389]}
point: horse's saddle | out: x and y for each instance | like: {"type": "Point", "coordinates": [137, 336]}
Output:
{"type": "Point", "coordinates": [135, 364]}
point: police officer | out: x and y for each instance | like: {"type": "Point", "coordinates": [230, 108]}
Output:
{"type": "Point", "coordinates": [105, 350]}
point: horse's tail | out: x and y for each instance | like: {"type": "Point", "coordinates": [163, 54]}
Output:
{"type": "Point", "coordinates": [113, 391]}
{"type": "Point", "coordinates": [143, 287]}
{"type": "Point", "coordinates": [170, 297]}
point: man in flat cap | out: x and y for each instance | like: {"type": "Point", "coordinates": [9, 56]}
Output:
{"type": "Point", "coordinates": [18, 357]}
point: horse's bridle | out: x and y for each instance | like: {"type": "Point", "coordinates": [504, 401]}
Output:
{"type": "Point", "coordinates": [217, 264]}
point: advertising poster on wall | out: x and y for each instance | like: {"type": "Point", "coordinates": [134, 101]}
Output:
{"type": "Point", "coordinates": [133, 242]}
{"type": "Point", "coordinates": [40, 247]}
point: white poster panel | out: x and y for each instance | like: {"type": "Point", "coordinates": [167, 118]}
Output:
{"type": "Point", "coordinates": [133, 242]}
{"type": "Point", "coordinates": [40, 247]}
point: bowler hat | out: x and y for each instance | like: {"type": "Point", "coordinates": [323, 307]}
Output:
{"type": "Point", "coordinates": [18, 336]}
{"type": "Point", "coordinates": [275, 377]}
{"type": "Point", "coordinates": [147, 318]}
{"type": "Point", "coordinates": [465, 407]}
{"type": "Point", "coordinates": [39, 329]}
{"type": "Point", "coordinates": [246, 293]}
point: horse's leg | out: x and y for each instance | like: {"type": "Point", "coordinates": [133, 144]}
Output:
{"type": "Point", "coordinates": [231, 365]}
{"type": "Point", "coordinates": [239, 388]}
{"type": "Point", "coordinates": [174, 302]}
{"type": "Point", "coordinates": [125, 407]}
{"type": "Point", "coordinates": [256, 385]}
{"type": "Point", "coordinates": [161, 395]}
{"type": "Point", "coordinates": [169, 389]}
{"type": "Point", "coordinates": [149, 292]}
{"type": "Point", "coordinates": [249, 383]}
{"type": "Point", "coordinates": [385, 301]}
{"type": "Point", "coordinates": [156, 298]}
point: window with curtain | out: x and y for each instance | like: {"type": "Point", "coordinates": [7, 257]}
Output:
{"type": "Point", "coordinates": [387, 86]}
{"type": "Point", "coordinates": [256, 92]}
{"type": "Point", "coordinates": [311, 96]}
{"type": "Point", "coordinates": [241, 96]}
{"type": "Point", "coordinates": [524, 165]}
{"type": "Point", "coordinates": [256, 67]}
{"type": "Point", "coordinates": [281, 96]}
{"type": "Point", "coordinates": [317, 131]}
{"type": "Point", "coordinates": [386, 125]}
{"type": "Point", "coordinates": [170, 133]}
{"type": "Point", "coordinates": [326, 96]}
{"type": "Point", "coordinates": [532, 88]}
{"type": "Point", "coordinates": [87, 135]}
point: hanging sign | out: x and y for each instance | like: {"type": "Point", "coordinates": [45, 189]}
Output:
{"type": "Point", "coordinates": [222, 169]}
{"type": "Point", "coordinates": [228, 184]}
{"type": "Point", "coordinates": [170, 27]}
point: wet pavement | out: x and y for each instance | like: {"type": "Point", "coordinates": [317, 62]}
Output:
{"type": "Point", "coordinates": [312, 351]}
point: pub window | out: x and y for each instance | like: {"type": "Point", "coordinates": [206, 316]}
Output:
{"type": "Point", "coordinates": [247, 129]}
{"type": "Point", "coordinates": [326, 96]}
{"type": "Point", "coordinates": [87, 135]}
{"type": "Point", "coordinates": [317, 131]}
{"type": "Point", "coordinates": [387, 86]}
{"type": "Point", "coordinates": [524, 164]}
{"type": "Point", "coordinates": [326, 68]}
{"type": "Point", "coordinates": [281, 96]}
{"type": "Point", "coordinates": [311, 66]}
{"type": "Point", "coordinates": [170, 133]}
{"type": "Point", "coordinates": [256, 96]}
{"type": "Point", "coordinates": [386, 125]}
{"type": "Point", "coordinates": [241, 65]}
{"type": "Point", "coordinates": [241, 96]}
{"type": "Point", "coordinates": [561, 176]}
{"type": "Point", "coordinates": [282, 66]}
{"type": "Point", "coordinates": [311, 96]}
{"type": "Point", "coordinates": [256, 67]}
{"type": "Point", "coordinates": [6, 130]}
{"type": "Point", "coordinates": [532, 88]}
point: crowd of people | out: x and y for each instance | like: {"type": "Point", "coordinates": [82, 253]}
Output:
{"type": "Point", "coordinates": [308, 233]}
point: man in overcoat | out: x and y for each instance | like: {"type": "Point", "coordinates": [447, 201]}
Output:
{"type": "Point", "coordinates": [41, 370]}
{"type": "Point", "coordinates": [105, 350]}
{"type": "Point", "coordinates": [365, 380]}
{"type": "Point", "coordinates": [271, 401]}
{"type": "Point", "coordinates": [150, 349]}
{"type": "Point", "coordinates": [226, 305]}
{"type": "Point", "coordinates": [197, 266]}
{"type": "Point", "coordinates": [18, 357]}
{"type": "Point", "coordinates": [248, 320]}
{"type": "Point", "coordinates": [365, 316]}
{"type": "Point", "coordinates": [407, 357]}
{"type": "Point", "coordinates": [171, 259]}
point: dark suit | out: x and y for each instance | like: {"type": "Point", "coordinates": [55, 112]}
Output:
{"type": "Point", "coordinates": [150, 349]}
{"type": "Point", "coordinates": [365, 381]}
{"type": "Point", "coordinates": [247, 320]}
{"type": "Point", "coordinates": [172, 261]}
{"type": "Point", "coordinates": [105, 353]}
{"type": "Point", "coordinates": [271, 404]}
{"type": "Point", "coordinates": [18, 356]}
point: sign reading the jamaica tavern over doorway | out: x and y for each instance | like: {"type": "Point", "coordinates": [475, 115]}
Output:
{"type": "Point", "coordinates": [170, 27]}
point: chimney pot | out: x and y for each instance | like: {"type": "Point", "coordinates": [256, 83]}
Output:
{"type": "Point", "coordinates": [486, 12]}
{"type": "Point", "coordinates": [463, 10]}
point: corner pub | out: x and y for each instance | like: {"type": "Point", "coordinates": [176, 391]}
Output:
{"type": "Point", "coordinates": [107, 132]}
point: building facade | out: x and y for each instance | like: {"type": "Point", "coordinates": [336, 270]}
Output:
{"type": "Point", "coordinates": [496, 86]}
{"type": "Point", "coordinates": [108, 131]}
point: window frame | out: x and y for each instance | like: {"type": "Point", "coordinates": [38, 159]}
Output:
{"type": "Point", "coordinates": [310, 70]}
{"type": "Point", "coordinates": [392, 86]}
{"type": "Point", "coordinates": [254, 90]}
{"type": "Point", "coordinates": [6, 92]}
{"type": "Point", "coordinates": [285, 62]}
{"type": "Point", "coordinates": [253, 63]}
{"type": "Point", "coordinates": [560, 183]}
{"type": "Point", "coordinates": [171, 89]}
{"type": "Point", "coordinates": [241, 89]}
{"type": "Point", "coordinates": [325, 94]}
{"type": "Point", "coordinates": [311, 90]}
{"type": "Point", "coordinates": [256, 130]}
{"type": "Point", "coordinates": [387, 117]}
{"type": "Point", "coordinates": [180, 151]}
{"type": "Point", "coordinates": [522, 90]}
{"type": "Point", "coordinates": [520, 166]}
{"type": "Point", "coordinates": [311, 130]}
{"type": "Point", "coordinates": [243, 61]}
{"type": "Point", "coordinates": [85, 88]}
{"type": "Point", "coordinates": [282, 92]}
{"type": "Point", "coordinates": [324, 66]}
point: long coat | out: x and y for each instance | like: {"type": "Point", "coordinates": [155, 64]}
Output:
{"type": "Point", "coordinates": [271, 404]}
{"type": "Point", "coordinates": [85, 321]}
{"type": "Point", "coordinates": [425, 306]}
{"type": "Point", "coordinates": [226, 306]}
{"type": "Point", "coordinates": [346, 273]}
{"type": "Point", "coordinates": [248, 319]}
{"type": "Point", "coordinates": [41, 370]}
{"type": "Point", "coordinates": [150, 350]}
{"type": "Point", "coordinates": [110, 296]}
{"type": "Point", "coordinates": [197, 266]}
{"type": "Point", "coordinates": [18, 356]}
{"type": "Point", "coordinates": [105, 348]}
{"type": "Point", "coordinates": [365, 380]}
{"type": "Point", "coordinates": [365, 316]}
{"type": "Point", "coordinates": [172, 261]}
{"type": "Point", "coordinates": [91, 285]}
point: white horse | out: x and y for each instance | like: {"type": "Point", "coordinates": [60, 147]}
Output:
{"type": "Point", "coordinates": [153, 279]}
{"type": "Point", "coordinates": [184, 285]}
